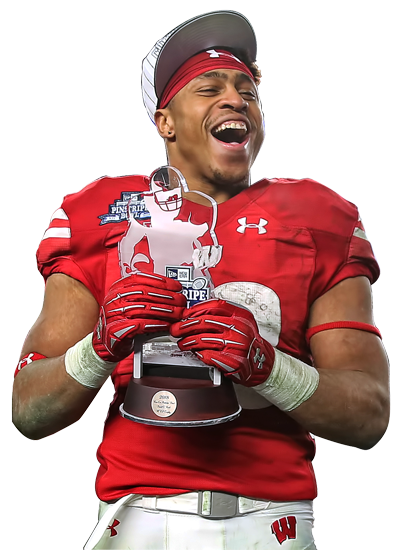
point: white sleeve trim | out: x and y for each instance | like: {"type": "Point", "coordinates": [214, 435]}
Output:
{"type": "Point", "coordinates": [57, 233]}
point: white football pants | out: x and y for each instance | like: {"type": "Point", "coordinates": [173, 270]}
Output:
{"type": "Point", "coordinates": [136, 523]}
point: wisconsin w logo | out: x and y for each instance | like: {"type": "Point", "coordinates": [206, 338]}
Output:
{"type": "Point", "coordinates": [284, 528]}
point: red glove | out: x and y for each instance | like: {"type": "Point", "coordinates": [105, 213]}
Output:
{"type": "Point", "coordinates": [225, 335]}
{"type": "Point", "coordinates": [138, 304]}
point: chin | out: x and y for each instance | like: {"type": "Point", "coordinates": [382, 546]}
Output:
{"type": "Point", "coordinates": [231, 177]}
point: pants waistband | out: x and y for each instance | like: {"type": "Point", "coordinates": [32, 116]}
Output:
{"type": "Point", "coordinates": [207, 504]}
{"type": "Point", "coordinates": [210, 504]}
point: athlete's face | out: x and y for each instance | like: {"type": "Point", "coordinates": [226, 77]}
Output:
{"type": "Point", "coordinates": [216, 127]}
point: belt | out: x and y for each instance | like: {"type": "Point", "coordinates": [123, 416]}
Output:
{"type": "Point", "coordinates": [208, 504]}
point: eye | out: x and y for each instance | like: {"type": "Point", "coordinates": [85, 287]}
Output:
{"type": "Point", "coordinates": [208, 90]}
{"type": "Point", "coordinates": [248, 94]}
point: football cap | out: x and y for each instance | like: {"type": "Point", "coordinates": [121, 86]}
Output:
{"type": "Point", "coordinates": [218, 29]}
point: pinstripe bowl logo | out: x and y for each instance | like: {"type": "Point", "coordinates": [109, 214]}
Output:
{"type": "Point", "coordinates": [131, 204]}
{"type": "Point", "coordinates": [195, 289]}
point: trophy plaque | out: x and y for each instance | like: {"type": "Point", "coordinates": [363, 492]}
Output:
{"type": "Point", "coordinates": [170, 387]}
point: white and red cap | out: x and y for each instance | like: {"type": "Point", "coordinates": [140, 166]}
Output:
{"type": "Point", "coordinates": [218, 29]}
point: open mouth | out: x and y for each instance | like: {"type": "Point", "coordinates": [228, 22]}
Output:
{"type": "Point", "coordinates": [233, 133]}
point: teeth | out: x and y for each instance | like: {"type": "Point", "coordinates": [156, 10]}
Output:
{"type": "Point", "coordinates": [231, 126]}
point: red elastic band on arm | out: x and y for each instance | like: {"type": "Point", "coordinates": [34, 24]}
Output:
{"type": "Point", "coordinates": [342, 324]}
{"type": "Point", "coordinates": [27, 359]}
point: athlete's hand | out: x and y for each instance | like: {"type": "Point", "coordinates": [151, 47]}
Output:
{"type": "Point", "coordinates": [138, 304]}
{"type": "Point", "coordinates": [225, 335]}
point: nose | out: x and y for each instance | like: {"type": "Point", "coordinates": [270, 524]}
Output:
{"type": "Point", "coordinates": [233, 100]}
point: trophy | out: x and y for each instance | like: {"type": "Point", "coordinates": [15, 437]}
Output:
{"type": "Point", "coordinates": [170, 387]}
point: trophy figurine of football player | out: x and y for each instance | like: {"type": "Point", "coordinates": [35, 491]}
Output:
{"type": "Point", "coordinates": [174, 237]}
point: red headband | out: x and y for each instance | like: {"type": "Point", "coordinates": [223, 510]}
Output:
{"type": "Point", "coordinates": [197, 65]}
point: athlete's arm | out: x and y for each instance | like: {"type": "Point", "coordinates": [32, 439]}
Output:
{"type": "Point", "coordinates": [345, 398]}
{"type": "Point", "coordinates": [351, 403]}
{"type": "Point", "coordinates": [45, 398]}
{"type": "Point", "coordinates": [84, 346]}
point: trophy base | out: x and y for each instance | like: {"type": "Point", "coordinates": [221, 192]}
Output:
{"type": "Point", "coordinates": [179, 423]}
{"type": "Point", "coordinates": [174, 401]}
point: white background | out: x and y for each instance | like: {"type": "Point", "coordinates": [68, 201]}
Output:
{"type": "Point", "coordinates": [41, 147]}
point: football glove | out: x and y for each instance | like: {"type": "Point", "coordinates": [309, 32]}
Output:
{"type": "Point", "coordinates": [225, 335]}
{"type": "Point", "coordinates": [141, 303]}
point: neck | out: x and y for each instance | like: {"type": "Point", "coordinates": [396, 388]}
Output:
{"type": "Point", "coordinates": [219, 186]}
{"type": "Point", "coordinates": [220, 193]}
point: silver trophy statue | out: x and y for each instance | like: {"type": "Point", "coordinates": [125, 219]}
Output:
{"type": "Point", "coordinates": [170, 387]}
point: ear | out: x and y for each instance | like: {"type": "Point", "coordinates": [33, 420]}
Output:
{"type": "Point", "coordinates": [164, 123]}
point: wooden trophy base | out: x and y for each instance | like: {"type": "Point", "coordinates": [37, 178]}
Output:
{"type": "Point", "coordinates": [177, 396]}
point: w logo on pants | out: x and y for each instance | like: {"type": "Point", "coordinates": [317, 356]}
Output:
{"type": "Point", "coordinates": [284, 528]}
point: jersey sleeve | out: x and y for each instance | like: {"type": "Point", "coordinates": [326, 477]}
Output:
{"type": "Point", "coordinates": [360, 258]}
{"type": "Point", "coordinates": [83, 235]}
{"type": "Point", "coordinates": [340, 244]}
{"type": "Point", "coordinates": [55, 252]}
{"type": "Point", "coordinates": [74, 242]}
{"type": "Point", "coordinates": [343, 255]}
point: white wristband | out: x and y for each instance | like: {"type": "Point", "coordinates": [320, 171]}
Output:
{"type": "Point", "coordinates": [290, 383]}
{"type": "Point", "coordinates": [85, 366]}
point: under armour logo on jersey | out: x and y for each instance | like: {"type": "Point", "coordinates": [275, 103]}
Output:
{"type": "Point", "coordinates": [243, 225]}
{"type": "Point", "coordinates": [113, 531]}
{"type": "Point", "coordinates": [284, 528]}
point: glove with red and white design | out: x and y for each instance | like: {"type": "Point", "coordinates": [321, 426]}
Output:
{"type": "Point", "coordinates": [225, 335]}
{"type": "Point", "coordinates": [141, 303]}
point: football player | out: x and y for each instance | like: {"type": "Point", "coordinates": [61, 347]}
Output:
{"type": "Point", "coordinates": [289, 320]}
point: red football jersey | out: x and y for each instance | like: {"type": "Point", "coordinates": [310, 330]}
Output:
{"type": "Point", "coordinates": [275, 248]}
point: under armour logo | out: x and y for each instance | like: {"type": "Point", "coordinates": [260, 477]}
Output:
{"type": "Point", "coordinates": [112, 527]}
{"type": "Point", "coordinates": [260, 358]}
{"type": "Point", "coordinates": [214, 53]}
{"type": "Point", "coordinates": [25, 361]}
{"type": "Point", "coordinates": [243, 225]}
